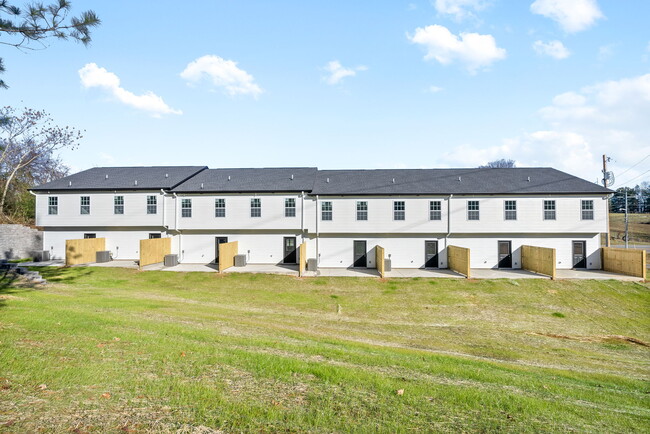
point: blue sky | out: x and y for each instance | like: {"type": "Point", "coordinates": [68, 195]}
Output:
{"type": "Point", "coordinates": [341, 84]}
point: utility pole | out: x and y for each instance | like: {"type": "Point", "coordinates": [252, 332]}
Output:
{"type": "Point", "coordinates": [627, 235]}
{"type": "Point", "coordinates": [605, 184]}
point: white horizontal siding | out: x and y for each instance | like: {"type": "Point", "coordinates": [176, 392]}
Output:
{"type": "Point", "coordinates": [530, 215]}
{"type": "Point", "coordinates": [404, 252]}
{"type": "Point", "coordinates": [484, 248]}
{"type": "Point", "coordinates": [258, 248]}
{"type": "Point", "coordinates": [381, 217]}
{"type": "Point", "coordinates": [123, 244]}
{"type": "Point", "coordinates": [101, 210]}
{"type": "Point", "coordinates": [238, 213]}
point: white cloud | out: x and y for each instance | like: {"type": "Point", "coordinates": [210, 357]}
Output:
{"type": "Point", "coordinates": [93, 76]}
{"type": "Point", "coordinates": [434, 89]}
{"type": "Point", "coordinates": [605, 118]}
{"type": "Point", "coordinates": [555, 49]}
{"type": "Point", "coordinates": [223, 73]}
{"type": "Point", "coordinates": [572, 15]}
{"type": "Point", "coordinates": [337, 72]}
{"type": "Point", "coordinates": [460, 9]}
{"type": "Point", "coordinates": [605, 52]}
{"type": "Point", "coordinates": [473, 50]}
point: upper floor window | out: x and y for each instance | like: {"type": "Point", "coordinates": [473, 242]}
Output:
{"type": "Point", "coordinates": [256, 207]}
{"type": "Point", "coordinates": [326, 211]}
{"type": "Point", "coordinates": [362, 210]}
{"type": "Point", "coordinates": [587, 209]}
{"type": "Point", "coordinates": [87, 236]}
{"type": "Point", "coordinates": [290, 207]}
{"type": "Point", "coordinates": [435, 210]}
{"type": "Point", "coordinates": [118, 205]}
{"type": "Point", "coordinates": [152, 205]}
{"type": "Point", "coordinates": [511, 209]}
{"type": "Point", "coordinates": [399, 210]}
{"type": "Point", "coordinates": [154, 235]}
{"type": "Point", "coordinates": [473, 211]}
{"type": "Point", "coordinates": [220, 207]}
{"type": "Point", "coordinates": [53, 205]}
{"type": "Point", "coordinates": [85, 204]}
{"type": "Point", "coordinates": [549, 210]}
{"type": "Point", "coordinates": [186, 208]}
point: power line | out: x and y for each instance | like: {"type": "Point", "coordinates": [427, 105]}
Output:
{"type": "Point", "coordinates": [639, 162]}
{"type": "Point", "coordinates": [636, 177]}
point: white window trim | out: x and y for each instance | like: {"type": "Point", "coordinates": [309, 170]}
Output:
{"type": "Point", "coordinates": [356, 210]}
{"type": "Point", "coordinates": [467, 210]}
{"type": "Point", "coordinates": [394, 211]}
{"type": "Point", "coordinates": [505, 210]}
{"type": "Point", "coordinates": [554, 210]}
{"type": "Point", "coordinates": [330, 210]}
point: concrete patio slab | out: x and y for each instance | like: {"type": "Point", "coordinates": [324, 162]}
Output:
{"type": "Point", "coordinates": [344, 272]}
{"type": "Point", "coordinates": [594, 274]}
{"type": "Point", "coordinates": [111, 264]}
{"type": "Point", "coordinates": [501, 273]}
{"type": "Point", "coordinates": [422, 272]}
{"type": "Point", "coordinates": [289, 270]}
{"type": "Point", "coordinates": [52, 263]}
{"type": "Point", "coordinates": [184, 268]}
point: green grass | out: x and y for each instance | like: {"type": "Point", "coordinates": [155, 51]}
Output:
{"type": "Point", "coordinates": [18, 261]}
{"type": "Point", "coordinates": [121, 350]}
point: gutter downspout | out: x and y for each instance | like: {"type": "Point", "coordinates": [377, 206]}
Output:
{"type": "Point", "coordinates": [163, 208]}
{"type": "Point", "coordinates": [448, 226]}
{"type": "Point", "coordinates": [302, 215]}
{"type": "Point", "coordinates": [317, 236]}
{"type": "Point", "coordinates": [180, 238]}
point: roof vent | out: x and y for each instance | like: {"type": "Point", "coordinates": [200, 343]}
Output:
{"type": "Point", "coordinates": [136, 182]}
{"type": "Point", "coordinates": [529, 179]}
{"type": "Point", "coordinates": [228, 177]}
{"type": "Point", "coordinates": [69, 183]}
{"type": "Point", "coordinates": [327, 180]}
{"type": "Point", "coordinates": [393, 180]}
{"type": "Point", "coordinates": [166, 175]}
{"type": "Point", "coordinates": [459, 180]}
{"type": "Point", "coordinates": [292, 176]}
{"type": "Point", "coordinates": [106, 177]}
{"type": "Point", "coordinates": [201, 186]}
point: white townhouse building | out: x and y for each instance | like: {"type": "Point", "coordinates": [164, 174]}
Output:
{"type": "Point", "coordinates": [341, 214]}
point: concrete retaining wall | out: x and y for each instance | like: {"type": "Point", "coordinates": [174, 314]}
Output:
{"type": "Point", "coordinates": [18, 241]}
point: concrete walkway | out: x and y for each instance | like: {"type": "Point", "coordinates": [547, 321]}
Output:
{"type": "Point", "coordinates": [504, 273]}
{"type": "Point", "coordinates": [594, 274]}
{"type": "Point", "coordinates": [290, 270]}
{"type": "Point", "coordinates": [343, 272]}
{"type": "Point", "coordinates": [423, 272]}
{"type": "Point", "coordinates": [52, 263]}
{"type": "Point", "coordinates": [184, 268]}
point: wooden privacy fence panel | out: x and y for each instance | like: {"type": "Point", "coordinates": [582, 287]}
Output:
{"type": "Point", "coordinates": [83, 251]}
{"type": "Point", "coordinates": [541, 260]}
{"type": "Point", "coordinates": [458, 260]}
{"type": "Point", "coordinates": [379, 259]}
{"type": "Point", "coordinates": [227, 252]}
{"type": "Point", "coordinates": [302, 258]}
{"type": "Point", "coordinates": [625, 261]}
{"type": "Point", "coordinates": [154, 250]}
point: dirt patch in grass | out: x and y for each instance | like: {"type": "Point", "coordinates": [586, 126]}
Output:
{"type": "Point", "coordinates": [605, 338]}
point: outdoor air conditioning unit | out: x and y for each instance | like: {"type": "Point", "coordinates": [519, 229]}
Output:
{"type": "Point", "coordinates": [312, 264]}
{"type": "Point", "coordinates": [171, 260]}
{"type": "Point", "coordinates": [387, 265]}
{"type": "Point", "coordinates": [103, 256]}
{"type": "Point", "coordinates": [240, 260]}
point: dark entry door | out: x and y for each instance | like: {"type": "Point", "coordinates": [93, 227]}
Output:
{"type": "Point", "coordinates": [360, 258]}
{"type": "Point", "coordinates": [431, 254]}
{"type": "Point", "coordinates": [505, 254]}
{"type": "Point", "coordinates": [579, 254]}
{"type": "Point", "coordinates": [289, 250]}
{"type": "Point", "coordinates": [217, 241]}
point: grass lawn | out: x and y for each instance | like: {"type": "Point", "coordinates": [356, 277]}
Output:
{"type": "Point", "coordinates": [106, 349]}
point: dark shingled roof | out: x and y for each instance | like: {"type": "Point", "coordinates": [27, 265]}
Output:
{"type": "Point", "coordinates": [543, 180]}
{"type": "Point", "coordinates": [251, 180]}
{"type": "Point", "coordinates": [124, 178]}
